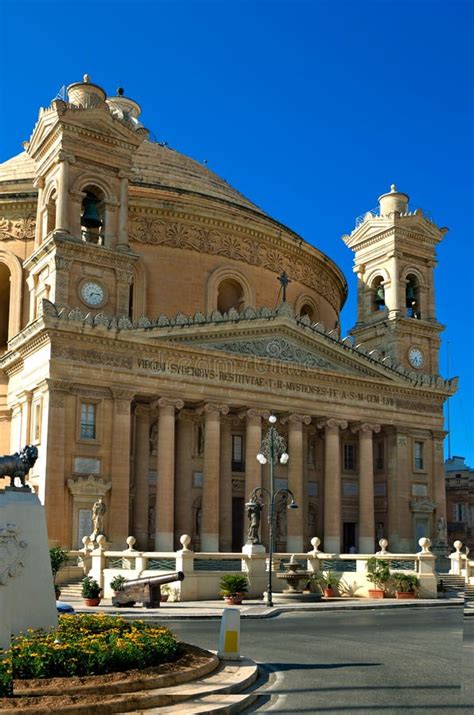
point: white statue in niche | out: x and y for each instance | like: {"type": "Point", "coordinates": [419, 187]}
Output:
{"type": "Point", "coordinates": [154, 439]}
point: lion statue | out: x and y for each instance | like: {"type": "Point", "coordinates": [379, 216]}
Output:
{"type": "Point", "coordinates": [18, 464]}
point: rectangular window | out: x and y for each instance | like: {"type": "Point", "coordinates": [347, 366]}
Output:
{"type": "Point", "coordinates": [349, 457]}
{"type": "Point", "coordinates": [460, 512]}
{"type": "Point", "coordinates": [379, 454]}
{"type": "Point", "coordinates": [88, 420]}
{"type": "Point", "coordinates": [238, 453]}
{"type": "Point", "coordinates": [36, 427]}
{"type": "Point", "coordinates": [418, 455]}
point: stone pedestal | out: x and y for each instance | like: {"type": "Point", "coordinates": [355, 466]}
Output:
{"type": "Point", "coordinates": [27, 597]}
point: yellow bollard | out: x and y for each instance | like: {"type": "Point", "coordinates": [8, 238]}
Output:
{"type": "Point", "coordinates": [229, 637]}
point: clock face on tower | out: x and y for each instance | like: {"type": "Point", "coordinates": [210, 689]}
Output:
{"type": "Point", "coordinates": [415, 356]}
{"type": "Point", "coordinates": [92, 293]}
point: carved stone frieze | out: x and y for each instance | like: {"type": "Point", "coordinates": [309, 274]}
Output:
{"type": "Point", "coordinates": [422, 505]}
{"type": "Point", "coordinates": [58, 391]}
{"type": "Point", "coordinates": [276, 348]}
{"type": "Point", "coordinates": [90, 486]}
{"type": "Point", "coordinates": [96, 357]}
{"type": "Point", "coordinates": [180, 234]}
{"type": "Point", "coordinates": [18, 228]}
{"type": "Point", "coordinates": [12, 548]}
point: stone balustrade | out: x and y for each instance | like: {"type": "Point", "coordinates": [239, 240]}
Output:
{"type": "Point", "coordinates": [203, 570]}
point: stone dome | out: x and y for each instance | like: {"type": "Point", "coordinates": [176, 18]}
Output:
{"type": "Point", "coordinates": [155, 166]}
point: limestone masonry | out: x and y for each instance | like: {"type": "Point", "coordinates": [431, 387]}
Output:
{"type": "Point", "coordinates": [143, 343]}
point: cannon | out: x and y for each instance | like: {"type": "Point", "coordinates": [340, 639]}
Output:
{"type": "Point", "coordinates": [145, 590]}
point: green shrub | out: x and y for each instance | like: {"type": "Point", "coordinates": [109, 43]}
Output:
{"type": "Point", "coordinates": [231, 584]}
{"type": "Point", "coordinates": [407, 582]}
{"type": "Point", "coordinates": [90, 645]}
{"type": "Point", "coordinates": [90, 588]}
{"type": "Point", "coordinates": [6, 680]}
{"type": "Point", "coordinates": [117, 582]}
{"type": "Point", "coordinates": [59, 558]}
{"type": "Point", "coordinates": [378, 572]}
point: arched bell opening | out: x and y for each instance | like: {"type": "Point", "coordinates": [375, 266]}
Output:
{"type": "Point", "coordinates": [5, 279]}
{"type": "Point", "coordinates": [50, 215]}
{"type": "Point", "coordinates": [230, 294]}
{"type": "Point", "coordinates": [378, 295]}
{"type": "Point", "coordinates": [93, 215]}
{"type": "Point", "coordinates": [412, 297]}
{"type": "Point", "coordinates": [308, 310]}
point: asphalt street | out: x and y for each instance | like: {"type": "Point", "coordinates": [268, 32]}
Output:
{"type": "Point", "coordinates": [379, 661]}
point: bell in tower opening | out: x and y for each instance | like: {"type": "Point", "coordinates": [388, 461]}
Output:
{"type": "Point", "coordinates": [92, 222]}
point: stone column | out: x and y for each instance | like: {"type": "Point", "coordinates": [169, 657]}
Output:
{"type": "Point", "coordinates": [366, 486]}
{"type": "Point", "coordinates": [439, 477]}
{"type": "Point", "coordinates": [184, 474]}
{"type": "Point", "coordinates": [62, 200]}
{"type": "Point", "coordinates": [225, 486]}
{"type": "Point", "coordinates": [400, 519]}
{"type": "Point", "coordinates": [141, 469]}
{"type": "Point", "coordinates": [123, 212]}
{"type": "Point", "coordinates": [119, 508]}
{"type": "Point", "coordinates": [210, 488]}
{"type": "Point", "coordinates": [109, 220]}
{"type": "Point", "coordinates": [253, 439]}
{"type": "Point", "coordinates": [295, 517]}
{"type": "Point", "coordinates": [332, 484]}
{"type": "Point", "coordinates": [52, 488]}
{"type": "Point", "coordinates": [39, 184]}
{"type": "Point", "coordinates": [164, 509]}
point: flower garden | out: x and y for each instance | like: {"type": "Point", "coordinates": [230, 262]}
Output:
{"type": "Point", "coordinates": [84, 645]}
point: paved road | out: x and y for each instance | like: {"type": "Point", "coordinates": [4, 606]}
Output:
{"type": "Point", "coordinates": [373, 662]}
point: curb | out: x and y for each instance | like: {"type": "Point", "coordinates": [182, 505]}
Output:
{"type": "Point", "coordinates": [147, 614]}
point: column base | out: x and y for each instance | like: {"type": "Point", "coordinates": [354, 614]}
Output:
{"type": "Point", "coordinates": [366, 544]}
{"type": "Point", "coordinates": [332, 544]}
{"type": "Point", "coordinates": [210, 542]}
{"type": "Point", "coordinates": [294, 544]}
{"type": "Point", "coordinates": [164, 541]}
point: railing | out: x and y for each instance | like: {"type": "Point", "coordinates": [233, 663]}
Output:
{"type": "Point", "coordinates": [203, 570]}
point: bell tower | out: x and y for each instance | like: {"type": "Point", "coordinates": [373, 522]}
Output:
{"type": "Point", "coordinates": [83, 149]}
{"type": "Point", "coordinates": [394, 260]}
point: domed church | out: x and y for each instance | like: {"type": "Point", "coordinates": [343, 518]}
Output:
{"type": "Point", "coordinates": [152, 318]}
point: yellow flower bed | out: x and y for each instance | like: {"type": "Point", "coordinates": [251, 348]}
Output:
{"type": "Point", "coordinates": [86, 645]}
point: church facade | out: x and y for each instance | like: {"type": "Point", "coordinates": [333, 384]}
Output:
{"type": "Point", "coordinates": [142, 348]}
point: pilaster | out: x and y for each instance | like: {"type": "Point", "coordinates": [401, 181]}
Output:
{"type": "Point", "coordinates": [118, 523]}
{"type": "Point", "coordinates": [141, 468]}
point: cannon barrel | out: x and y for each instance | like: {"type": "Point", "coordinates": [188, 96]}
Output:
{"type": "Point", "coordinates": [154, 580]}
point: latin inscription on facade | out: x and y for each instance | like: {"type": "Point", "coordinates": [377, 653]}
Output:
{"type": "Point", "coordinates": [276, 383]}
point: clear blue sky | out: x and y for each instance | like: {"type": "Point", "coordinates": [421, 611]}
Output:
{"type": "Point", "coordinates": [311, 109]}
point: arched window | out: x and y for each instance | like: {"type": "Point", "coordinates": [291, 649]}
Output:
{"type": "Point", "coordinates": [4, 305]}
{"type": "Point", "coordinates": [308, 310]}
{"type": "Point", "coordinates": [412, 297]}
{"type": "Point", "coordinates": [49, 214]}
{"type": "Point", "coordinates": [93, 215]}
{"type": "Point", "coordinates": [378, 294]}
{"type": "Point", "coordinates": [230, 294]}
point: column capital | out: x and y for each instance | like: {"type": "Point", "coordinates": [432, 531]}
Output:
{"type": "Point", "coordinates": [213, 407]}
{"type": "Point", "coordinates": [64, 156]}
{"type": "Point", "coordinates": [189, 415]}
{"type": "Point", "coordinates": [58, 391]}
{"type": "Point", "coordinates": [177, 403]}
{"type": "Point", "coordinates": [331, 423]}
{"type": "Point", "coordinates": [39, 182]}
{"type": "Point", "coordinates": [438, 434]}
{"type": "Point", "coordinates": [124, 174]}
{"type": "Point", "coordinates": [142, 410]}
{"type": "Point", "coordinates": [365, 427]}
{"type": "Point", "coordinates": [253, 412]}
{"type": "Point", "coordinates": [24, 395]}
{"type": "Point", "coordinates": [121, 393]}
{"type": "Point", "coordinates": [295, 418]}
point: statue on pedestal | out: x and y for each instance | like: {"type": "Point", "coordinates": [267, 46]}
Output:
{"type": "Point", "coordinates": [98, 512]}
{"type": "Point", "coordinates": [19, 464]}
{"type": "Point", "coordinates": [254, 510]}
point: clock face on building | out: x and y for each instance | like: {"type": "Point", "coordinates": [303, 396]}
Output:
{"type": "Point", "coordinates": [415, 356]}
{"type": "Point", "coordinates": [92, 293]}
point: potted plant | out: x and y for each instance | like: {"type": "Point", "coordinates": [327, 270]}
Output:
{"type": "Point", "coordinates": [117, 583]}
{"type": "Point", "coordinates": [91, 591]}
{"type": "Point", "coordinates": [378, 572]}
{"type": "Point", "coordinates": [59, 558]}
{"type": "Point", "coordinates": [406, 585]}
{"type": "Point", "coordinates": [233, 587]}
{"type": "Point", "coordinates": [328, 581]}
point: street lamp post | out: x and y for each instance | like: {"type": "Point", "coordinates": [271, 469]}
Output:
{"type": "Point", "coordinates": [273, 448]}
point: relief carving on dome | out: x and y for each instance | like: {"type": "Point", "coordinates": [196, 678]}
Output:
{"type": "Point", "coordinates": [145, 229]}
{"type": "Point", "coordinates": [18, 228]}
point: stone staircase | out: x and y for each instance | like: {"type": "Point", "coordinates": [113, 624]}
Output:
{"type": "Point", "coordinates": [469, 595]}
{"type": "Point", "coordinates": [452, 583]}
{"type": "Point", "coordinates": [70, 592]}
